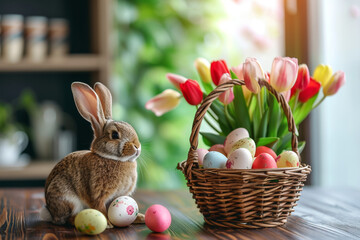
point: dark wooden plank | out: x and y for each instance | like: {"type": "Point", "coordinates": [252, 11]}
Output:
{"type": "Point", "coordinates": [321, 214]}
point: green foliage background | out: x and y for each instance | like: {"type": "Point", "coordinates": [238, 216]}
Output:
{"type": "Point", "coordinates": [154, 37]}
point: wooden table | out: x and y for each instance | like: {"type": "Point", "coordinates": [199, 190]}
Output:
{"type": "Point", "coordinates": [321, 214]}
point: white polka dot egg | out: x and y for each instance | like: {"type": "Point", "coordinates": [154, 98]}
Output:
{"type": "Point", "coordinates": [123, 211]}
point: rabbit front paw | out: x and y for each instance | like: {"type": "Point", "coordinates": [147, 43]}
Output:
{"type": "Point", "coordinates": [109, 225]}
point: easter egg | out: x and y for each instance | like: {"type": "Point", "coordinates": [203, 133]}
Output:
{"type": "Point", "coordinates": [264, 149]}
{"type": "Point", "coordinates": [214, 160]}
{"type": "Point", "coordinates": [264, 160]}
{"type": "Point", "coordinates": [90, 221]}
{"type": "Point", "coordinates": [123, 211]}
{"type": "Point", "coordinates": [240, 159]}
{"type": "Point", "coordinates": [157, 218]}
{"type": "Point", "coordinates": [233, 137]}
{"type": "Point", "coordinates": [247, 143]}
{"type": "Point", "coordinates": [287, 159]}
{"type": "Point", "coordinates": [201, 154]}
{"type": "Point", "coordinates": [218, 148]}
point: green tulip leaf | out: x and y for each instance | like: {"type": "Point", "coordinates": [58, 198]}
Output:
{"type": "Point", "coordinates": [219, 111]}
{"type": "Point", "coordinates": [275, 116]}
{"type": "Point", "coordinates": [263, 124]}
{"type": "Point", "coordinates": [233, 75]}
{"type": "Point", "coordinates": [305, 110]}
{"type": "Point", "coordinates": [283, 143]}
{"type": "Point", "coordinates": [301, 146]}
{"type": "Point", "coordinates": [242, 116]}
{"type": "Point", "coordinates": [211, 139]}
{"type": "Point", "coordinates": [256, 119]}
{"type": "Point", "coordinates": [207, 86]}
{"type": "Point", "coordinates": [267, 141]}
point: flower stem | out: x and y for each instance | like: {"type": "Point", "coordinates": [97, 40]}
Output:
{"type": "Point", "coordinates": [260, 104]}
{"type": "Point", "coordinates": [296, 100]}
{"type": "Point", "coordinates": [319, 102]}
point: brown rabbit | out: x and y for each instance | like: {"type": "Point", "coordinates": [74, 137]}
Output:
{"type": "Point", "coordinates": [92, 179]}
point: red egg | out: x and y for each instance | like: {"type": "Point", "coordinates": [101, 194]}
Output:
{"type": "Point", "coordinates": [218, 148]}
{"type": "Point", "coordinates": [264, 160]}
{"type": "Point", "coordinates": [157, 218]}
{"type": "Point", "coordinates": [263, 149]}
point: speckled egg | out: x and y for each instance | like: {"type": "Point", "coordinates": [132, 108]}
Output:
{"type": "Point", "coordinates": [264, 160]}
{"type": "Point", "coordinates": [287, 159]}
{"type": "Point", "coordinates": [218, 148]}
{"type": "Point", "coordinates": [157, 218]}
{"type": "Point", "coordinates": [214, 160]}
{"type": "Point", "coordinates": [240, 159]}
{"type": "Point", "coordinates": [247, 143]}
{"type": "Point", "coordinates": [233, 137]}
{"type": "Point", "coordinates": [90, 221]}
{"type": "Point", "coordinates": [123, 211]}
{"type": "Point", "coordinates": [201, 154]}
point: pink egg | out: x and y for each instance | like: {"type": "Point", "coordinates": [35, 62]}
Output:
{"type": "Point", "coordinates": [264, 160]}
{"type": "Point", "coordinates": [233, 137]}
{"type": "Point", "coordinates": [157, 218]}
{"type": "Point", "coordinates": [201, 153]}
{"type": "Point", "coordinates": [218, 148]}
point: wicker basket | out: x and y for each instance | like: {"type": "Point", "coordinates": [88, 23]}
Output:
{"type": "Point", "coordinates": [244, 198]}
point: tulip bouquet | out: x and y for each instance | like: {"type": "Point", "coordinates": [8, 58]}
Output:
{"type": "Point", "coordinates": [250, 106]}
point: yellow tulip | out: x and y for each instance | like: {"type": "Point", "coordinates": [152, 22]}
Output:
{"type": "Point", "coordinates": [203, 68]}
{"type": "Point", "coordinates": [322, 74]}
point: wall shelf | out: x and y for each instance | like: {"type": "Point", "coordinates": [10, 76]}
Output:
{"type": "Point", "coordinates": [70, 63]}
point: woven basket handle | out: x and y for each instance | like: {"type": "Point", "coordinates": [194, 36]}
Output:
{"type": "Point", "coordinates": [200, 113]}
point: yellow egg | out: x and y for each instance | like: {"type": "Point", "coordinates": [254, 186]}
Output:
{"type": "Point", "coordinates": [247, 143]}
{"type": "Point", "coordinates": [287, 159]}
{"type": "Point", "coordinates": [90, 221]}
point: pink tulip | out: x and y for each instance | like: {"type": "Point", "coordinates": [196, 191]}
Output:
{"type": "Point", "coordinates": [238, 70]}
{"type": "Point", "coordinates": [283, 73]}
{"type": "Point", "coordinates": [239, 73]}
{"type": "Point", "coordinates": [334, 84]}
{"type": "Point", "coordinates": [227, 96]}
{"type": "Point", "coordinates": [164, 102]}
{"type": "Point", "coordinates": [192, 92]}
{"type": "Point", "coordinates": [287, 95]}
{"type": "Point", "coordinates": [175, 79]}
{"type": "Point", "coordinates": [252, 73]}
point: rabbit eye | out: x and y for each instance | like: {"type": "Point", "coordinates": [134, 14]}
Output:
{"type": "Point", "coordinates": [114, 135]}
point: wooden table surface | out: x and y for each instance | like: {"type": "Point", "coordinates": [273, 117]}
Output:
{"type": "Point", "coordinates": [320, 214]}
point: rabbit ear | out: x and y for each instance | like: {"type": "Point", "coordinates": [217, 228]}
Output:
{"type": "Point", "coordinates": [105, 98]}
{"type": "Point", "coordinates": [88, 105]}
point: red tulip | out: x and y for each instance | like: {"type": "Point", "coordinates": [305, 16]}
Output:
{"type": "Point", "coordinates": [191, 91]}
{"type": "Point", "coordinates": [217, 69]}
{"type": "Point", "coordinates": [302, 80]}
{"type": "Point", "coordinates": [312, 89]}
{"type": "Point", "coordinates": [303, 77]}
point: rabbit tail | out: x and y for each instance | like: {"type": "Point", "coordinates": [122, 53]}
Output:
{"type": "Point", "coordinates": [45, 214]}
